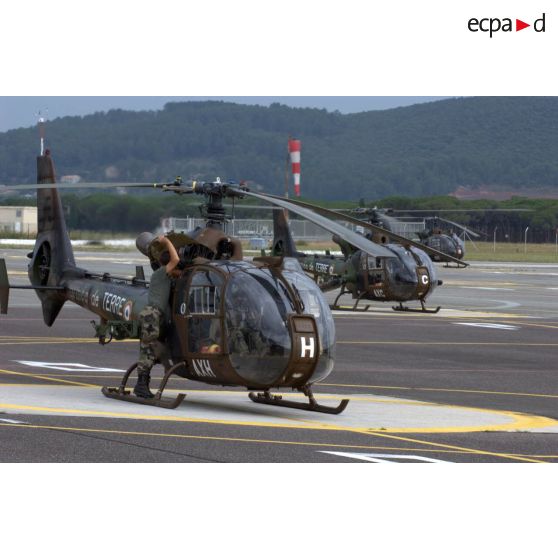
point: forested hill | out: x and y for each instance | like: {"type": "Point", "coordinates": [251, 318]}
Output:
{"type": "Point", "coordinates": [424, 149]}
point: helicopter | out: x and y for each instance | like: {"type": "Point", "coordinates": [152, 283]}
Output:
{"type": "Point", "coordinates": [434, 235]}
{"type": "Point", "coordinates": [407, 275]}
{"type": "Point", "coordinates": [260, 324]}
{"type": "Point", "coordinates": [445, 240]}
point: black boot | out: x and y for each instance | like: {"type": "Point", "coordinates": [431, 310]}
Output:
{"type": "Point", "coordinates": [142, 386]}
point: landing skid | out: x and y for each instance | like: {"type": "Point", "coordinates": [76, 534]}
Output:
{"type": "Point", "coordinates": [123, 394]}
{"type": "Point", "coordinates": [266, 398]}
{"type": "Point", "coordinates": [423, 310]}
{"type": "Point", "coordinates": [355, 308]}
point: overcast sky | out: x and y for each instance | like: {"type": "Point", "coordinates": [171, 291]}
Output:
{"type": "Point", "coordinates": [17, 112]}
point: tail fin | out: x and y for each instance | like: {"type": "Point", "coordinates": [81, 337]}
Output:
{"type": "Point", "coordinates": [52, 254]}
{"type": "Point", "coordinates": [283, 243]}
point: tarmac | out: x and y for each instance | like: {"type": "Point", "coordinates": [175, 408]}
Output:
{"type": "Point", "coordinates": [474, 383]}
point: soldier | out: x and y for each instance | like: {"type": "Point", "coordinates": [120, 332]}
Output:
{"type": "Point", "coordinates": [152, 316]}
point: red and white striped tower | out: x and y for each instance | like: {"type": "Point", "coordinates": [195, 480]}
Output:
{"type": "Point", "coordinates": [294, 152]}
{"type": "Point", "coordinates": [41, 124]}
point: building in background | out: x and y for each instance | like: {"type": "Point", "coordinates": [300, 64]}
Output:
{"type": "Point", "coordinates": [18, 219]}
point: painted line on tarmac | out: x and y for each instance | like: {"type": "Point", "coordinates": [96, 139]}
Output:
{"type": "Point", "coordinates": [66, 342]}
{"type": "Point", "coordinates": [512, 421]}
{"type": "Point", "coordinates": [384, 457]}
{"type": "Point", "coordinates": [488, 325]}
{"type": "Point", "coordinates": [68, 366]}
{"type": "Point", "coordinates": [512, 457]}
{"type": "Point", "coordinates": [401, 388]}
{"type": "Point", "coordinates": [40, 377]}
{"type": "Point", "coordinates": [11, 421]}
{"type": "Point", "coordinates": [547, 326]}
{"type": "Point", "coordinates": [408, 316]}
{"type": "Point", "coordinates": [490, 288]}
{"type": "Point", "coordinates": [451, 343]}
{"type": "Point", "coordinates": [453, 450]}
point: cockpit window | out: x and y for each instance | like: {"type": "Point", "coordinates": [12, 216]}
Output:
{"type": "Point", "coordinates": [402, 268]}
{"type": "Point", "coordinates": [373, 263]}
{"type": "Point", "coordinates": [203, 307]}
{"type": "Point", "coordinates": [258, 339]}
{"type": "Point", "coordinates": [203, 300]}
{"type": "Point", "coordinates": [205, 293]}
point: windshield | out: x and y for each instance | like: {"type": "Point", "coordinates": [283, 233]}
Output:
{"type": "Point", "coordinates": [424, 260]}
{"type": "Point", "coordinates": [256, 321]}
{"type": "Point", "coordinates": [402, 272]}
{"type": "Point", "coordinates": [257, 307]}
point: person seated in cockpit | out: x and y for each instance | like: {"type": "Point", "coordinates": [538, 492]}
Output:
{"type": "Point", "coordinates": [245, 335]}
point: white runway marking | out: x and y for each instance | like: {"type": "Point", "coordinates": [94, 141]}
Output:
{"type": "Point", "coordinates": [385, 457]}
{"type": "Point", "coordinates": [11, 421]}
{"type": "Point", "coordinates": [488, 325]}
{"type": "Point", "coordinates": [67, 366]}
{"type": "Point", "coordinates": [489, 288]}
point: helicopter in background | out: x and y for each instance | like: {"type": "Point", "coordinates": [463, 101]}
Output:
{"type": "Point", "coordinates": [405, 276]}
{"type": "Point", "coordinates": [436, 234]}
{"type": "Point", "coordinates": [445, 239]}
{"type": "Point", "coordinates": [260, 324]}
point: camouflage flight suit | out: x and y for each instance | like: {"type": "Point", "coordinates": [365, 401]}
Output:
{"type": "Point", "coordinates": [150, 319]}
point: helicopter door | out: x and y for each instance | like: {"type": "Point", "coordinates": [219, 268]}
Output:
{"type": "Point", "coordinates": [372, 274]}
{"type": "Point", "coordinates": [202, 310]}
{"type": "Point", "coordinates": [364, 270]}
{"type": "Point", "coordinates": [423, 281]}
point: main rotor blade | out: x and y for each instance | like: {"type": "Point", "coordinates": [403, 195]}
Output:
{"type": "Point", "coordinates": [311, 214]}
{"type": "Point", "coordinates": [78, 186]}
{"type": "Point", "coordinates": [401, 239]}
{"type": "Point", "coordinates": [459, 210]}
{"type": "Point", "coordinates": [462, 227]}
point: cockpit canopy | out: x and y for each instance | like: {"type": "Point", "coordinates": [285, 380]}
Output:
{"type": "Point", "coordinates": [240, 309]}
{"type": "Point", "coordinates": [403, 270]}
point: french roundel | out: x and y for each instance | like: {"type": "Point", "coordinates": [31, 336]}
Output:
{"type": "Point", "coordinates": [127, 313]}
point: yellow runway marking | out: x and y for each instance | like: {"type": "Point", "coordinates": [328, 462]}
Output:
{"type": "Point", "coordinates": [451, 343]}
{"type": "Point", "coordinates": [517, 421]}
{"type": "Point", "coordinates": [452, 447]}
{"type": "Point", "coordinates": [486, 392]}
{"type": "Point", "coordinates": [40, 377]}
{"type": "Point", "coordinates": [453, 283]}
{"type": "Point", "coordinates": [437, 320]}
{"type": "Point", "coordinates": [116, 378]}
{"type": "Point", "coordinates": [446, 449]}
